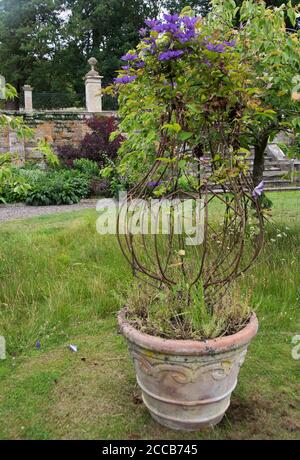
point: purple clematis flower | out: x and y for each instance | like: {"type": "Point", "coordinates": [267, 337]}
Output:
{"type": "Point", "coordinates": [231, 44]}
{"type": "Point", "coordinates": [171, 85]}
{"type": "Point", "coordinates": [218, 48]}
{"type": "Point", "coordinates": [126, 67]}
{"type": "Point", "coordinates": [189, 22]}
{"type": "Point", "coordinates": [129, 57]}
{"type": "Point", "coordinates": [154, 184]}
{"type": "Point", "coordinates": [139, 65]}
{"type": "Point", "coordinates": [258, 191]}
{"type": "Point", "coordinates": [124, 80]}
{"type": "Point", "coordinates": [150, 41]}
{"type": "Point", "coordinates": [167, 55]}
{"type": "Point", "coordinates": [207, 62]}
{"type": "Point", "coordinates": [171, 18]}
{"type": "Point", "coordinates": [168, 27]}
{"type": "Point", "coordinates": [184, 37]}
{"type": "Point", "coordinates": [151, 22]}
{"type": "Point", "coordinates": [143, 31]}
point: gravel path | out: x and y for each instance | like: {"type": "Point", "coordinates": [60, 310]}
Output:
{"type": "Point", "coordinates": [21, 211]}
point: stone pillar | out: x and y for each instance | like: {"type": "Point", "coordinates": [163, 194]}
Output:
{"type": "Point", "coordinates": [28, 98]}
{"type": "Point", "coordinates": [93, 88]}
{"type": "Point", "coordinates": [16, 148]}
{"type": "Point", "coordinates": [2, 87]}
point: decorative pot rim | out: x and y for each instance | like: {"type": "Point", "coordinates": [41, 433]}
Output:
{"type": "Point", "coordinates": [188, 347]}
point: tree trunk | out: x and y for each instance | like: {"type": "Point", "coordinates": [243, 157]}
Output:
{"type": "Point", "coordinates": [259, 160]}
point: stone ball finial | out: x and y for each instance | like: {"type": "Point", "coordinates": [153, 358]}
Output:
{"type": "Point", "coordinates": [93, 62]}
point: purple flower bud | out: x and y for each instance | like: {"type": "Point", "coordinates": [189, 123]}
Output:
{"type": "Point", "coordinates": [129, 57]}
{"type": "Point", "coordinates": [218, 48]}
{"type": "Point", "coordinates": [184, 37]}
{"type": "Point", "coordinates": [207, 62]}
{"type": "Point", "coordinates": [258, 191]}
{"type": "Point", "coordinates": [125, 67]}
{"type": "Point", "coordinates": [143, 31]}
{"type": "Point", "coordinates": [167, 55]}
{"type": "Point", "coordinates": [124, 80]}
{"type": "Point", "coordinates": [171, 85]}
{"type": "Point", "coordinates": [189, 22]}
{"type": "Point", "coordinates": [38, 345]}
{"type": "Point", "coordinates": [169, 27]}
{"type": "Point", "coordinates": [139, 65]}
{"type": "Point", "coordinates": [171, 18]}
{"type": "Point", "coordinates": [154, 184]}
{"type": "Point", "coordinates": [150, 41]}
{"type": "Point", "coordinates": [151, 22]}
{"type": "Point", "coordinates": [231, 44]}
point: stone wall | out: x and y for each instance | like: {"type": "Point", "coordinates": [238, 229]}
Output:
{"type": "Point", "coordinates": [59, 128]}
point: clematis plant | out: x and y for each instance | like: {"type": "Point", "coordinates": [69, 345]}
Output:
{"type": "Point", "coordinates": [182, 81]}
{"type": "Point", "coordinates": [186, 102]}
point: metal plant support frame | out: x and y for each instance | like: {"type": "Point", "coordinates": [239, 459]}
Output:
{"type": "Point", "coordinates": [227, 250]}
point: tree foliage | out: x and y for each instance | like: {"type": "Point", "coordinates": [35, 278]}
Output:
{"type": "Point", "coordinates": [273, 54]}
{"type": "Point", "coordinates": [47, 43]}
{"type": "Point", "coordinates": [269, 53]}
{"type": "Point", "coordinates": [29, 40]}
{"type": "Point", "coordinates": [199, 6]}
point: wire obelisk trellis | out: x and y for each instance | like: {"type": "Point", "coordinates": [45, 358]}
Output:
{"type": "Point", "coordinates": [229, 245]}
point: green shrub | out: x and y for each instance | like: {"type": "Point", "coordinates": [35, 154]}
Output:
{"type": "Point", "coordinates": [60, 187]}
{"type": "Point", "coordinates": [292, 150]}
{"type": "Point", "coordinates": [86, 166]}
{"type": "Point", "coordinates": [16, 189]}
{"type": "Point", "coordinates": [38, 188]}
{"type": "Point", "coordinates": [117, 182]}
{"type": "Point", "coordinates": [265, 202]}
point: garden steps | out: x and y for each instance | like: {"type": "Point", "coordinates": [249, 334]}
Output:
{"type": "Point", "coordinates": [275, 188]}
{"type": "Point", "coordinates": [275, 171]}
{"type": "Point", "coordinates": [291, 188]}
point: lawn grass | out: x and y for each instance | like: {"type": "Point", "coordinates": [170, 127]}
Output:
{"type": "Point", "coordinates": [58, 281]}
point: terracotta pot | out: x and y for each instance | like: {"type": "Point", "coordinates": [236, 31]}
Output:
{"type": "Point", "coordinates": [186, 384]}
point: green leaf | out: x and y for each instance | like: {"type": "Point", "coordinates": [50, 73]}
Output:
{"type": "Point", "coordinates": [296, 123]}
{"type": "Point", "coordinates": [269, 112]}
{"type": "Point", "coordinates": [243, 150]}
{"type": "Point", "coordinates": [166, 160]}
{"type": "Point", "coordinates": [175, 127]}
{"type": "Point", "coordinates": [193, 108]}
{"type": "Point", "coordinates": [181, 164]}
{"type": "Point", "coordinates": [187, 11]}
{"type": "Point", "coordinates": [185, 135]}
{"type": "Point", "coordinates": [291, 14]}
{"type": "Point", "coordinates": [114, 136]}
